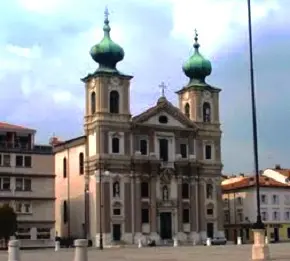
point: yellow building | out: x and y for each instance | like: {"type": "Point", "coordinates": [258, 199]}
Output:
{"type": "Point", "coordinates": [240, 208]}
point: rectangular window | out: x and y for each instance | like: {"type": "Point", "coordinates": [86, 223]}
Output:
{"type": "Point", "coordinates": [6, 160]}
{"type": "Point", "coordinates": [209, 211]}
{"type": "Point", "coordinates": [27, 161]}
{"type": "Point", "coordinates": [183, 151]}
{"type": "Point", "coordinates": [275, 199]}
{"type": "Point", "coordinates": [27, 185]}
{"type": "Point", "coordinates": [43, 233]}
{"type": "Point", "coordinates": [264, 199]}
{"type": "Point", "coordinates": [19, 184]}
{"type": "Point", "coordinates": [185, 215]}
{"type": "Point", "coordinates": [65, 214]}
{"type": "Point", "coordinates": [5, 184]}
{"type": "Point", "coordinates": [287, 215]}
{"type": "Point", "coordinates": [208, 152]}
{"type": "Point", "coordinates": [143, 147]}
{"type": "Point", "coordinates": [145, 216]}
{"type": "Point", "coordinates": [0, 159]}
{"type": "Point", "coordinates": [27, 208]}
{"type": "Point", "coordinates": [144, 190]}
{"type": "Point", "coordinates": [185, 191]}
{"type": "Point", "coordinates": [276, 215]}
{"type": "Point", "coordinates": [288, 232]}
{"type": "Point", "coordinates": [19, 161]}
{"type": "Point", "coordinates": [264, 215]}
{"type": "Point", "coordinates": [18, 207]}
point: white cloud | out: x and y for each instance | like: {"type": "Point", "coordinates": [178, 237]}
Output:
{"type": "Point", "coordinates": [33, 52]}
{"type": "Point", "coordinates": [43, 6]}
{"type": "Point", "coordinates": [216, 21]}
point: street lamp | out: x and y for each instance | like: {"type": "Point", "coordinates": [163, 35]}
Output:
{"type": "Point", "coordinates": [260, 251]}
{"type": "Point", "coordinates": [100, 174]}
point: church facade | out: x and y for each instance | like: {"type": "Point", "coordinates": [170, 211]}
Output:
{"type": "Point", "coordinates": [156, 175]}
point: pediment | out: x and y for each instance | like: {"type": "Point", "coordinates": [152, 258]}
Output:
{"type": "Point", "coordinates": [174, 117]}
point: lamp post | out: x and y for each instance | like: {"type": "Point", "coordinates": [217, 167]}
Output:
{"type": "Point", "coordinates": [101, 246]}
{"type": "Point", "coordinates": [260, 250]}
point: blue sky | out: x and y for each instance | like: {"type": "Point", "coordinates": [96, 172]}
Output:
{"type": "Point", "coordinates": [44, 50]}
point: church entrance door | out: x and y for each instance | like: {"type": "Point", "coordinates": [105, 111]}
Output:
{"type": "Point", "coordinates": [165, 225]}
{"type": "Point", "coordinates": [116, 232]}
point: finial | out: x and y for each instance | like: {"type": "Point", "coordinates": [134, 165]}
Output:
{"type": "Point", "coordinates": [106, 27]}
{"type": "Point", "coordinates": [196, 44]}
{"type": "Point", "coordinates": [162, 86]}
{"type": "Point", "coordinates": [106, 14]}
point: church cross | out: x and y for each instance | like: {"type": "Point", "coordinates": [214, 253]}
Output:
{"type": "Point", "coordinates": [106, 13]}
{"type": "Point", "coordinates": [162, 86]}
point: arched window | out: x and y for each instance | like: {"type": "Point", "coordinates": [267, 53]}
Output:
{"type": "Point", "coordinates": [93, 102]}
{"type": "Point", "coordinates": [114, 102]}
{"type": "Point", "coordinates": [81, 163]}
{"type": "Point", "coordinates": [116, 189]}
{"type": "Point", "coordinates": [187, 110]}
{"type": "Point", "coordinates": [209, 191]}
{"type": "Point", "coordinates": [65, 216]}
{"type": "Point", "coordinates": [64, 168]}
{"type": "Point", "coordinates": [115, 145]}
{"type": "Point", "coordinates": [206, 112]}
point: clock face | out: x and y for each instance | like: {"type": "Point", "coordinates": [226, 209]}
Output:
{"type": "Point", "coordinates": [115, 81]}
{"type": "Point", "coordinates": [207, 94]}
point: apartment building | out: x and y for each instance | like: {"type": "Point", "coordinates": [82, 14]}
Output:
{"type": "Point", "coordinates": [240, 207]}
{"type": "Point", "coordinates": [27, 182]}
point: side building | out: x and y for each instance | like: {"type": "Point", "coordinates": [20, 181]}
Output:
{"type": "Point", "coordinates": [240, 208]}
{"type": "Point", "coordinates": [27, 183]}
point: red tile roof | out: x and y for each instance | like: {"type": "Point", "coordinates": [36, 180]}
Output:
{"type": "Point", "coordinates": [4, 125]}
{"type": "Point", "coordinates": [247, 182]}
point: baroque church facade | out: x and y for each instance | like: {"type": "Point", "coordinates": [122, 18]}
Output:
{"type": "Point", "coordinates": [156, 175]}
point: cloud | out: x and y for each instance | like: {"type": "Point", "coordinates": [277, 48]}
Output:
{"type": "Point", "coordinates": [44, 49]}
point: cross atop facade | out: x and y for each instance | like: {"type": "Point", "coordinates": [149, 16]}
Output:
{"type": "Point", "coordinates": [162, 86]}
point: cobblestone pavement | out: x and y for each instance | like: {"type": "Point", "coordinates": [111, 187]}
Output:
{"type": "Point", "coordinates": [278, 252]}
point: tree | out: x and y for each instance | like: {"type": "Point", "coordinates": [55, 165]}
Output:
{"type": "Point", "coordinates": [8, 222]}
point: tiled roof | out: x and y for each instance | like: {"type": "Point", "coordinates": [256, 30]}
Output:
{"type": "Point", "coordinates": [247, 182]}
{"type": "Point", "coordinates": [4, 125]}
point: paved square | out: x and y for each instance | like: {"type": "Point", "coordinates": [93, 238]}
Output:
{"type": "Point", "coordinates": [279, 252]}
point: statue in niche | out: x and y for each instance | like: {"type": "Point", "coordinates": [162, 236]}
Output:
{"type": "Point", "coordinates": [116, 189]}
{"type": "Point", "coordinates": [165, 193]}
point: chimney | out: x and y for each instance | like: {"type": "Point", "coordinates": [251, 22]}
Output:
{"type": "Point", "coordinates": [277, 166]}
{"type": "Point", "coordinates": [242, 175]}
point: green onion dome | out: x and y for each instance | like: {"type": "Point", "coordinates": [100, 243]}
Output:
{"type": "Point", "coordinates": [197, 68]}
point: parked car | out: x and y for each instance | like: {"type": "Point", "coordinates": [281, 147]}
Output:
{"type": "Point", "coordinates": [217, 241]}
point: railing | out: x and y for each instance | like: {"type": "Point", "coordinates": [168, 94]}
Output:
{"type": "Point", "coordinates": [22, 146]}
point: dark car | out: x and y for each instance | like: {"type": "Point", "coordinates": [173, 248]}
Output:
{"type": "Point", "coordinates": [217, 241]}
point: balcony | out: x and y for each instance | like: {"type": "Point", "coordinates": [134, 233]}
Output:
{"type": "Point", "coordinates": [24, 146]}
{"type": "Point", "coordinates": [167, 165]}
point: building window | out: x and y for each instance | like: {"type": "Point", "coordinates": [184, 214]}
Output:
{"type": "Point", "coordinates": [116, 189]}
{"type": "Point", "coordinates": [288, 232]}
{"type": "Point", "coordinates": [209, 211]}
{"type": "Point", "coordinates": [19, 161]}
{"type": "Point", "coordinates": [163, 149]}
{"type": "Point", "coordinates": [116, 211]}
{"type": "Point", "coordinates": [226, 216]}
{"type": "Point", "coordinates": [27, 161]}
{"type": "Point", "coordinates": [145, 216]}
{"type": "Point", "coordinates": [263, 199]}
{"type": "Point", "coordinates": [287, 215]}
{"type": "Point", "coordinates": [114, 102]}
{"type": "Point", "coordinates": [6, 160]}
{"type": "Point", "coordinates": [183, 151]}
{"type": "Point", "coordinates": [93, 102]}
{"type": "Point", "coordinates": [163, 119]}
{"type": "Point", "coordinates": [185, 191]}
{"type": "Point", "coordinates": [81, 163]}
{"type": "Point", "coordinates": [206, 112]}
{"type": "Point", "coordinates": [185, 215]}
{"type": "Point", "coordinates": [65, 213]}
{"type": "Point", "coordinates": [240, 216]}
{"type": "Point", "coordinates": [187, 110]}
{"type": "Point", "coordinates": [143, 147]}
{"type": "Point", "coordinates": [23, 208]}
{"type": "Point", "coordinates": [5, 184]}
{"type": "Point", "coordinates": [275, 215]}
{"type": "Point", "coordinates": [115, 145]}
{"type": "Point", "coordinates": [264, 215]}
{"type": "Point", "coordinates": [23, 233]}
{"type": "Point", "coordinates": [22, 184]}
{"type": "Point", "coordinates": [208, 152]}
{"type": "Point", "coordinates": [226, 203]}
{"type": "Point", "coordinates": [64, 168]}
{"type": "Point", "coordinates": [287, 200]}
{"type": "Point", "coordinates": [144, 190]}
{"type": "Point", "coordinates": [275, 199]}
{"type": "Point", "coordinates": [43, 233]}
{"type": "Point", "coordinates": [239, 201]}
{"type": "Point", "coordinates": [209, 191]}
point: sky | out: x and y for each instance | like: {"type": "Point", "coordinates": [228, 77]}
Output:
{"type": "Point", "coordinates": [44, 50]}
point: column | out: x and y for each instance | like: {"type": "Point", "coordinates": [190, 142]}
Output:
{"type": "Point", "coordinates": [193, 208]}
{"type": "Point", "coordinates": [179, 205]}
{"type": "Point", "coordinates": [219, 207]}
{"type": "Point", "coordinates": [202, 206]}
{"type": "Point", "coordinates": [138, 227]}
{"type": "Point", "coordinates": [153, 205]}
{"type": "Point", "coordinates": [128, 207]}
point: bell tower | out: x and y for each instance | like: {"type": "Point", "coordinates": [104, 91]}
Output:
{"type": "Point", "coordinates": [107, 92]}
{"type": "Point", "coordinates": [198, 100]}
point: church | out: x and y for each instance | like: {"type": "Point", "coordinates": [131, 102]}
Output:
{"type": "Point", "coordinates": [156, 175]}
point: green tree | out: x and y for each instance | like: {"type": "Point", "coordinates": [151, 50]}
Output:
{"type": "Point", "coordinates": [8, 222]}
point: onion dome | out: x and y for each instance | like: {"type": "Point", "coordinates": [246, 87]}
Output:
{"type": "Point", "coordinates": [107, 53]}
{"type": "Point", "coordinates": [197, 68]}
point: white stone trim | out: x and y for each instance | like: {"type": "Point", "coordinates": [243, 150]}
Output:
{"type": "Point", "coordinates": [121, 142]}
{"type": "Point", "coordinates": [211, 143]}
